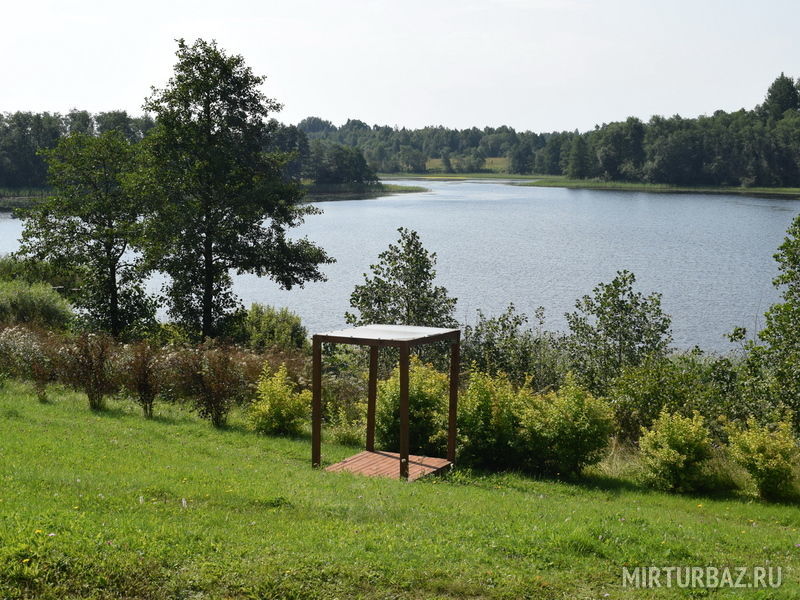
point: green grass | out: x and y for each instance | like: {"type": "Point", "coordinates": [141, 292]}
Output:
{"type": "Point", "coordinates": [330, 192]}
{"type": "Point", "coordinates": [110, 505]}
{"type": "Point", "coordinates": [591, 184]}
{"type": "Point", "coordinates": [493, 164]}
{"type": "Point", "coordinates": [457, 176]}
{"type": "Point", "coordinates": [562, 181]}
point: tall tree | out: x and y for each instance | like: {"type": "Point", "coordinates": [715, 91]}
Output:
{"type": "Point", "coordinates": [401, 290]}
{"type": "Point", "coordinates": [578, 165]}
{"type": "Point", "coordinates": [782, 95]}
{"type": "Point", "coordinates": [782, 331]}
{"type": "Point", "coordinates": [614, 328]}
{"type": "Point", "coordinates": [89, 224]}
{"type": "Point", "coordinates": [222, 203]}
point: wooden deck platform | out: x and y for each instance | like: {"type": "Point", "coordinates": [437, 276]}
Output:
{"type": "Point", "coordinates": [387, 464]}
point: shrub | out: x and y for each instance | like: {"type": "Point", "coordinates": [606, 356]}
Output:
{"type": "Point", "coordinates": [428, 393]}
{"type": "Point", "coordinates": [266, 327]}
{"type": "Point", "coordinates": [213, 378]}
{"type": "Point", "coordinates": [768, 455]}
{"type": "Point", "coordinates": [34, 305]}
{"type": "Point", "coordinates": [280, 410]}
{"type": "Point", "coordinates": [674, 451]}
{"type": "Point", "coordinates": [138, 370]}
{"type": "Point", "coordinates": [489, 421]}
{"type": "Point", "coordinates": [565, 430]}
{"type": "Point", "coordinates": [66, 281]}
{"type": "Point", "coordinates": [504, 345]}
{"type": "Point", "coordinates": [29, 355]}
{"type": "Point", "coordinates": [344, 393]}
{"type": "Point", "coordinates": [614, 328]}
{"type": "Point", "coordinates": [348, 430]}
{"type": "Point", "coordinates": [679, 384]}
{"type": "Point", "coordinates": [85, 364]}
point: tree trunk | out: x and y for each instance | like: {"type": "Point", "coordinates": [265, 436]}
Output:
{"type": "Point", "coordinates": [208, 288]}
{"type": "Point", "coordinates": [113, 309]}
{"type": "Point", "coordinates": [112, 262]}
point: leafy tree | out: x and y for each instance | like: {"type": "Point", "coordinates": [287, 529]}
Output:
{"type": "Point", "coordinates": [222, 204]}
{"type": "Point", "coordinates": [520, 158]}
{"type": "Point", "coordinates": [89, 225]}
{"type": "Point", "coordinates": [79, 121]}
{"type": "Point", "coordinates": [401, 290]}
{"type": "Point", "coordinates": [293, 141]}
{"type": "Point", "coordinates": [782, 331]}
{"type": "Point", "coordinates": [315, 126]}
{"type": "Point", "coordinates": [337, 164]}
{"type": "Point", "coordinates": [614, 328]}
{"type": "Point", "coordinates": [782, 95]}
{"type": "Point", "coordinates": [578, 165]}
{"type": "Point", "coordinates": [503, 344]}
{"type": "Point", "coordinates": [116, 120]}
{"type": "Point", "coordinates": [22, 136]}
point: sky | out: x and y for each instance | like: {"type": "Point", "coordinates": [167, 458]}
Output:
{"type": "Point", "coordinates": [538, 65]}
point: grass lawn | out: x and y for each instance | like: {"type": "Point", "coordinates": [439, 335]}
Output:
{"type": "Point", "coordinates": [110, 505]}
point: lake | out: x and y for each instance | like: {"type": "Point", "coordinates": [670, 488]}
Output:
{"type": "Point", "coordinates": [711, 256]}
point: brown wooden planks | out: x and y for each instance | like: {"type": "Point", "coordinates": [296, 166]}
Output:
{"type": "Point", "coordinates": [387, 464]}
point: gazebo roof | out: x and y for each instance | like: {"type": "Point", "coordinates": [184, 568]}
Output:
{"type": "Point", "coordinates": [388, 335]}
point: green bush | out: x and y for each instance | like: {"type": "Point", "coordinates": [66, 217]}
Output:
{"type": "Point", "coordinates": [279, 410]}
{"type": "Point", "coordinates": [66, 281]}
{"type": "Point", "coordinates": [679, 384]}
{"type": "Point", "coordinates": [674, 451]}
{"type": "Point", "coordinates": [565, 430]}
{"type": "Point", "coordinates": [137, 370]}
{"type": "Point", "coordinates": [428, 393]}
{"type": "Point", "coordinates": [344, 393]}
{"type": "Point", "coordinates": [769, 455]}
{"type": "Point", "coordinates": [348, 425]}
{"type": "Point", "coordinates": [85, 363]}
{"type": "Point", "coordinates": [489, 421]}
{"type": "Point", "coordinates": [214, 378]}
{"type": "Point", "coordinates": [266, 327]}
{"type": "Point", "coordinates": [33, 305]}
{"type": "Point", "coordinates": [504, 344]}
{"type": "Point", "coordinates": [30, 355]}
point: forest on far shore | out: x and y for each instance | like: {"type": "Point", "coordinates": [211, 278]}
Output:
{"type": "Point", "coordinates": [747, 148]}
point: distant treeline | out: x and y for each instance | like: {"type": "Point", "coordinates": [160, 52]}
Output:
{"type": "Point", "coordinates": [759, 147]}
{"type": "Point", "coordinates": [24, 134]}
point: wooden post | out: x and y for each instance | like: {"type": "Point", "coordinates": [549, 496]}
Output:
{"type": "Point", "coordinates": [455, 359]}
{"type": "Point", "coordinates": [404, 433]}
{"type": "Point", "coordinates": [372, 395]}
{"type": "Point", "coordinates": [316, 403]}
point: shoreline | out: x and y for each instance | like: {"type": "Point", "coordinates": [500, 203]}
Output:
{"type": "Point", "coordinates": [555, 181]}
{"type": "Point", "coordinates": [331, 193]}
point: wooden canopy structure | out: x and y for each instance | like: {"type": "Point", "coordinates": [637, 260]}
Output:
{"type": "Point", "coordinates": [370, 462]}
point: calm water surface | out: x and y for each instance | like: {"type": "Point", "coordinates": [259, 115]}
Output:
{"type": "Point", "coordinates": [709, 255]}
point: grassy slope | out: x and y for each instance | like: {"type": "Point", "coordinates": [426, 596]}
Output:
{"type": "Point", "coordinates": [258, 522]}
